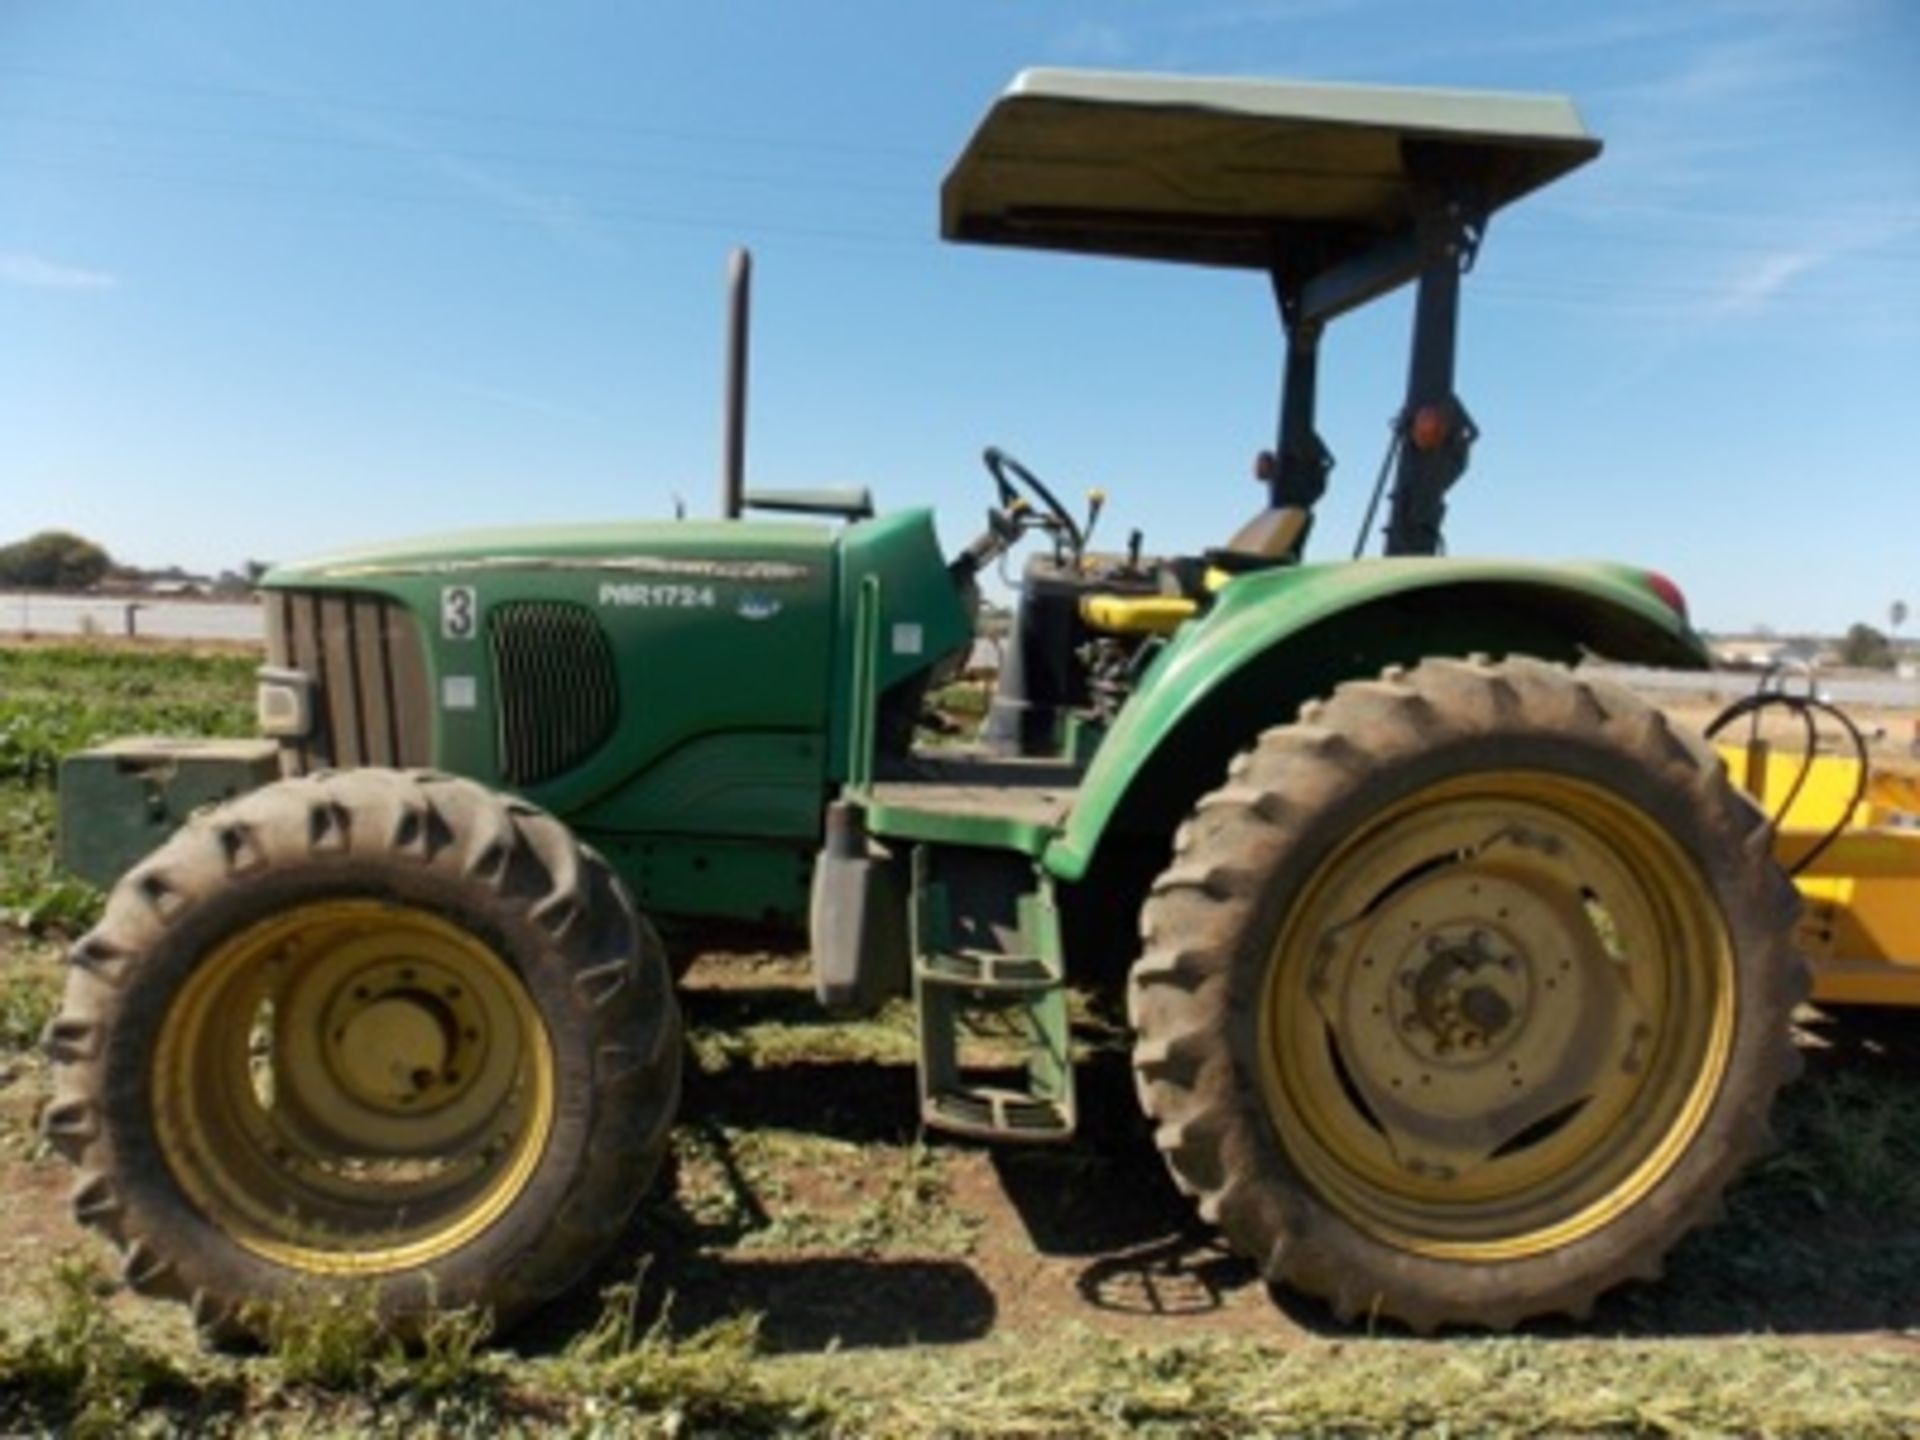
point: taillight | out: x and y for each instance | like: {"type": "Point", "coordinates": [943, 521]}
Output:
{"type": "Point", "coordinates": [1670, 594]}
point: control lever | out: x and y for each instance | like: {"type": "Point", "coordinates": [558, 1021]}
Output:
{"type": "Point", "coordinates": [1096, 502]}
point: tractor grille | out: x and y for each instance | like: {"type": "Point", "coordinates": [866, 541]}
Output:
{"type": "Point", "coordinates": [364, 656]}
{"type": "Point", "coordinates": [559, 697]}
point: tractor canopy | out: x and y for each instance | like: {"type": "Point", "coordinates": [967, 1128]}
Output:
{"type": "Point", "coordinates": [1248, 173]}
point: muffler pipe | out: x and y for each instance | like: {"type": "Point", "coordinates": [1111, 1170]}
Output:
{"type": "Point", "coordinates": [733, 441]}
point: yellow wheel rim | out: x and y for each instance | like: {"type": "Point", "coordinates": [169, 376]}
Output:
{"type": "Point", "coordinates": [353, 1087]}
{"type": "Point", "coordinates": [1496, 1016]}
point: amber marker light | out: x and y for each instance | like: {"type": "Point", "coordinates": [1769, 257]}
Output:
{"type": "Point", "coordinates": [1431, 426]}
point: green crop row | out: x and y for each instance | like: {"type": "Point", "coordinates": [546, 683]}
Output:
{"type": "Point", "coordinates": [57, 699]}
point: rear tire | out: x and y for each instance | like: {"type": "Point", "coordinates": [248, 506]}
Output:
{"type": "Point", "coordinates": [372, 1028]}
{"type": "Point", "coordinates": [1467, 995]}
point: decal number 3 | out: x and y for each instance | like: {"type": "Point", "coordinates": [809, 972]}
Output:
{"type": "Point", "coordinates": [459, 609]}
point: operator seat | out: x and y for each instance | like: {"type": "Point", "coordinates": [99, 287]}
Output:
{"type": "Point", "coordinates": [1272, 537]}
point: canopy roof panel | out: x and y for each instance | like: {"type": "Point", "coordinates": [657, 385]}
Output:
{"type": "Point", "coordinates": [1255, 173]}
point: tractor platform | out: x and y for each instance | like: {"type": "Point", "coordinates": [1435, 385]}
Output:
{"type": "Point", "coordinates": [972, 797]}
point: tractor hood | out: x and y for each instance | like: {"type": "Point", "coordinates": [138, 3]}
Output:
{"type": "Point", "coordinates": [520, 656]}
{"type": "Point", "coordinates": [666, 549]}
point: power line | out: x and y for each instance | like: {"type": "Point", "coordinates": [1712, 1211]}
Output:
{"type": "Point", "coordinates": [603, 209]}
{"type": "Point", "coordinates": [418, 150]}
{"type": "Point", "coordinates": [561, 209]}
{"type": "Point", "coordinates": [349, 103]}
{"type": "Point", "coordinates": [550, 163]}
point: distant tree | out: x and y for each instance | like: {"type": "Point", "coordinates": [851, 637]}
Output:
{"type": "Point", "coordinates": [1867, 647]}
{"type": "Point", "coordinates": [1896, 616]}
{"type": "Point", "coordinates": [53, 560]}
{"type": "Point", "coordinates": [254, 569]}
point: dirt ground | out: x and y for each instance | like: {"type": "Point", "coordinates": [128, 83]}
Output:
{"type": "Point", "coordinates": [1026, 1240]}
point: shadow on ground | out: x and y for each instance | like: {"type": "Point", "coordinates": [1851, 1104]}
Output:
{"type": "Point", "coordinates": [1819, 1238]}
{"type": "Point", "coordinates": [1107, 1199]}
{"type": "Point", "coordinates": [1823, 1235]}
{"type": "Point", "coordinates": [806, 1304]}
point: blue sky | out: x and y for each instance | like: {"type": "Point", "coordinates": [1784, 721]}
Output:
{"type": "Point", "coordinates": [275, 279]}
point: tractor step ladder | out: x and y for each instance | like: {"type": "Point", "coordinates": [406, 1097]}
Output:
{"type": "Point", "coordinates": [989, 969]}
{"type": "Point", "coordinates": [987, 974]}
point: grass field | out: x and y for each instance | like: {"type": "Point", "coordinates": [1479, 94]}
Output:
{"type": "Point", "coordinates": [812, 1263]}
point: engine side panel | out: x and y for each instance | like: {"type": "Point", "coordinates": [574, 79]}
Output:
{"type": "Point", "coordinates": [565, 668]}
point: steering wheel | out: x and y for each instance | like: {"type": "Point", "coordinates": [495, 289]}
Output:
{"type": "Point", "coordinates": [1011, 478]}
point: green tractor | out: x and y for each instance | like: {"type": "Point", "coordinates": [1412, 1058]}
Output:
{"type": "Point", "coordinates": [1459, 979]}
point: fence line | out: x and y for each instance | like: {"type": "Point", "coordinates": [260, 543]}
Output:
{"type": "Point", "coordinates": [36, 613]}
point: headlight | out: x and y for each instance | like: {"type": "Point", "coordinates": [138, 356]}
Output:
{"type": "Point", "coordinates": [284, 703]}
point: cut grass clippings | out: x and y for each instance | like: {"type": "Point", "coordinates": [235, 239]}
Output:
{"type": "Point", "coordinates": [1081, 1383]}
{"type": "Point", "coordinates": [79, 1370]}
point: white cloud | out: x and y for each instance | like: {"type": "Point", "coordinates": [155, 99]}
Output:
{"type": "Point", "coordinates": [36, 272]}
{"type": "Point", "coordinates": [1760, 279]}
{"type": "Point", "coordinates": [1754, 285]}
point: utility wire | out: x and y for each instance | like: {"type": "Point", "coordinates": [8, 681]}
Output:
{"type": "Point", "coordinates": [555, 122]}
{"type": "Point", "coordinates": [546, 160]}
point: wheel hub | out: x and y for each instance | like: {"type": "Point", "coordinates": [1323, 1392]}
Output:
{"type": "Point", "coordinates": [1462, 992]}
{"type": "Point", "coordinates": [403, 1037]}
{"type": "Point", "coordinates": [1474, 1007]}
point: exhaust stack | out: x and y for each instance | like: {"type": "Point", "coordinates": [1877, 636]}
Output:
{"type": "Point", "coordinates": [733, 444]}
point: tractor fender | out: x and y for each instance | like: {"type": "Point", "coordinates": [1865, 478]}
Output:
{"type": "Point", "coordinates": [1277, 638]}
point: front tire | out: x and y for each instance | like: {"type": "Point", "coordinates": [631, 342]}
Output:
{"type": "Point", "coordinates": [373, 1028]}
{"type": "Point", "coordinates": [1467, 995]}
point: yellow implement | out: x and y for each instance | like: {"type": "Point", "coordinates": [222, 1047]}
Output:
{"type": "Point", "coordinates": [1861, 927]}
